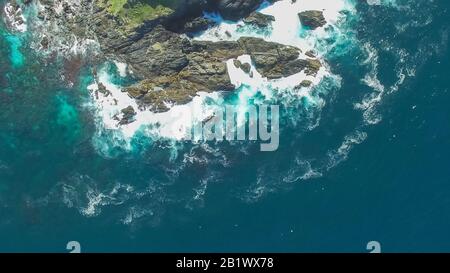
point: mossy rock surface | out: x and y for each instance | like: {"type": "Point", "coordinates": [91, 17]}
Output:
{"type": "Point", "coordinates": [134, 13]}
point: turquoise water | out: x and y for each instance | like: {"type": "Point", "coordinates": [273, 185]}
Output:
{"type": "Point", "coordinates": [321, 191]}
{"type": "Point", "coordinates": [16, 56]}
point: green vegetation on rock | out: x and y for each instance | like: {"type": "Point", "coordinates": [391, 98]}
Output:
{"type": "Point", "coordinates": [134, 13]}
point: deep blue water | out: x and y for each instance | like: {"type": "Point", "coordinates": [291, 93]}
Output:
{"type": "Point", "coordinates": [394, 187]}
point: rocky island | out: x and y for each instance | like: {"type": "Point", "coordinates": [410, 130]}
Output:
{"type": "Point", "coordinates": [153, 37]}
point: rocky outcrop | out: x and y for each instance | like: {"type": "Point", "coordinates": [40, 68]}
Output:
{"type": "Point", "coordinates": [94, 20]}
{"type": "Point", "coordinates": [196, 25]}
{"type": "Point", "coordinates": [235, 9]}
{"type": "Point", "coordinates": [274, 61]}
{"type": "Point", "coordinates": [229, 9]}
{"type": "Point", "coordinates": [312, 19]}
{"type": "Point", "coordinates": [174, 69]}
{"type": "Point", "coordinates": [304, 84]}
{"type": "Point", "coordinates": [260, 20]}
{"type": "Point", "coordinates": [169, 67]}
{"type": "Point", "coordinates": [128, 115]}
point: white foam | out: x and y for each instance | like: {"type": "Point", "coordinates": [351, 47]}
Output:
{"type": "Point", "coordinates": [82, 46]}
{"type": "Point", "coordinates": [95, 200]}
{"type": "Point", "coordinates": [342, 153]}
{"type": "Point", "coordinates": [287, 26]}
{"type": "Point", "coordinates": [122, 68]}
{"type": "Point", "coordinates": [173, 124]}
{"type": "Point", "coordinates": [382, 2]}
{"type": "Point", "coordinates": [11, 17]}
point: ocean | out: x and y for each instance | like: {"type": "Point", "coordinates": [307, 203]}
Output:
{"type": "Point", "coordinates": [363, 155]}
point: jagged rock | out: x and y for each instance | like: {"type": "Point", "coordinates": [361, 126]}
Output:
{"type": "Point", "coordinates": [236, 9]}
{"type": "Point", "coordinates": [159, 52]}
{"type": "Point", "coordinates": [205, 71]}
{"type": "Point", "coordinates": [237, 63]}
{"type": "Point", "coordinates": [246, 67]}
{"type": "Point", "coordinates": [312, 66]}
{"type": "Point", "coordinates": [204, 67]}
{"type": "Point", "coordinates": [272, 60]}
{"type": "Point", "coordinates": [304, 83]}
{"type": "Point", "coordinates": [312, 19]}
{"type": "Point", "coordinates": [196, 25]}
{"type": "Point", "coordinates": [128, 115]}
{"type": "Point", "coordinates": [45, 43]}
{"type": "Point", "coordinates": [259, 19]}
{"type": "Point", "coordinates": [311, 54]}
{"type": "Point", "coordinates": [102, 89]}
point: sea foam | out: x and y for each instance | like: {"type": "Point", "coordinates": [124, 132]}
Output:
{"type": "Point", "coordinates": [15, 18]}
